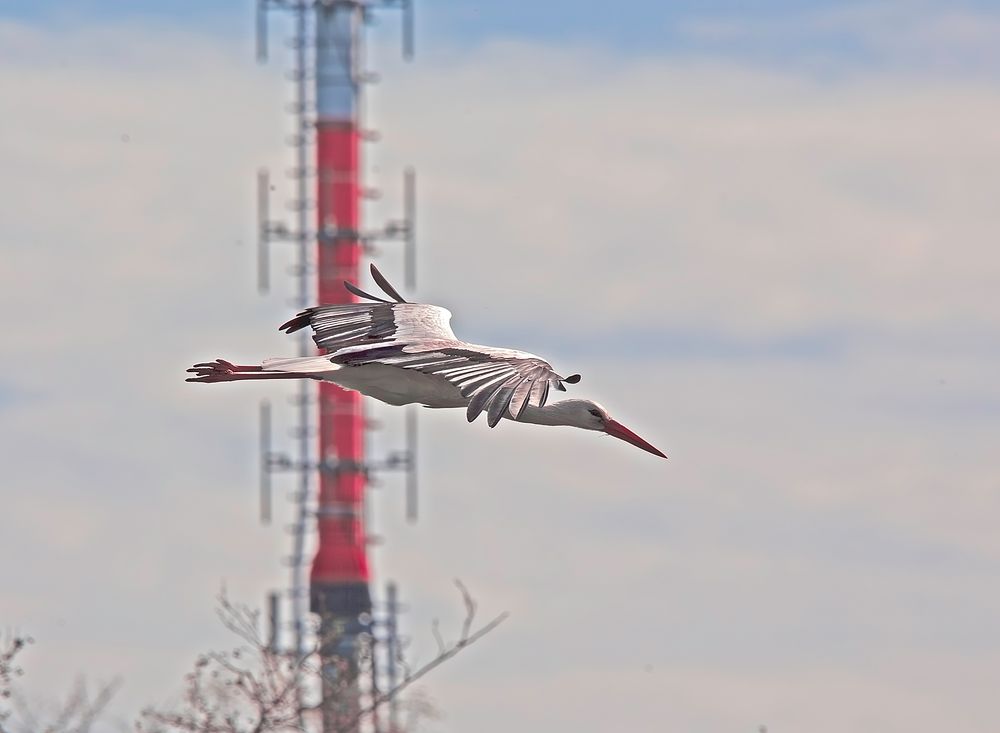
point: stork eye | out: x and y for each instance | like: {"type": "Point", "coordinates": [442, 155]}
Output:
{"type": "Point", "coordinates": [595, 413]}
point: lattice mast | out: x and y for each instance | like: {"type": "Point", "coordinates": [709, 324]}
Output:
{"type": "Point", "coordinates": [338, 581]}
{"type": "Point", "coordinates": [340, 576]}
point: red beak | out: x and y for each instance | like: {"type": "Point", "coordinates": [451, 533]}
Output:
{"type": "Point", "coordinates": [617, 430]}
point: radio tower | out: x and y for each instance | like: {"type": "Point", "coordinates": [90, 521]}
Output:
{"type": "Point", "coordinates": [328, 117]}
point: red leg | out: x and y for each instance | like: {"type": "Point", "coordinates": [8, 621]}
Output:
{"type": "Point", "coordinates": [240, 367]}
{"type": "Point", "coordinates": [244, 377]}
{"type": "Point", "coordinates": [225, 366]}
{"type": "Point", "coordinates": [223, 371]}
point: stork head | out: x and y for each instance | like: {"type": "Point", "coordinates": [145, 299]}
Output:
{"type": "Point", "coordinates": [591, 416]}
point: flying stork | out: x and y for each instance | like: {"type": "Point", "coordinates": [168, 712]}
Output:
{"type": "Point", "coordinates": [403, 353]}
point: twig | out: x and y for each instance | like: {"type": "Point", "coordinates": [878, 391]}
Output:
{"type": "Point", "coordinates": [436, 630]}
{"type": "Point", "coordinates": [470, 608]}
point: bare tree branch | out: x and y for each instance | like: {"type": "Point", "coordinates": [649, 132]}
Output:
{"type": "Point", "coordinates": [10, 646]}
{"type": "Point", "coordinates": [77, 714]}
{"type": "Point", "coordinates": [445, 652]}
{"type": "Point", "coordinates": [252, 689]}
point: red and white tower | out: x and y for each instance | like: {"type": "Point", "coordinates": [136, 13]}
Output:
{"type": "Point", "coordinates": [339, 577]}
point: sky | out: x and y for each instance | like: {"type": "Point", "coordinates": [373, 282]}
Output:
{"type": "Point", "coordinates": [764, 233]}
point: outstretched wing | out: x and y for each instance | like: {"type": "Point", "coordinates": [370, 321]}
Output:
{"type": "Point", "coordinates": [493, 380]}
{"type": "Point", "coordinates": [368, 325]}
{"type": "Point", "coordinates": [499, 381]}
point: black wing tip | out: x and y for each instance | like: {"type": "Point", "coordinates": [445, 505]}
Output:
{"type": "Point", "coordinates": [355, 290]}
{"type": "Point", "coordinates": [299, 322]}
{"type": "Point", "coordinates": [523, 407]}
{"type": "Point", "coordinates": [572, 379]}
{"type": "Point", "coordinates": [381, 281]}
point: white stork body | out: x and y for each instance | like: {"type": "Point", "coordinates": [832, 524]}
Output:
{"type": "Point", "coordinates": [406, 353]}
{"type": "Point", "coordinates": [382, 382]}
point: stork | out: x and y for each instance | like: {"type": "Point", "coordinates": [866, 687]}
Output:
{"type": "Point", "coordinates": [406, 353]}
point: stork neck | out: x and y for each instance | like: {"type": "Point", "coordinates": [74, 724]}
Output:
{"type": "Point", "coordinates": [557, 413]}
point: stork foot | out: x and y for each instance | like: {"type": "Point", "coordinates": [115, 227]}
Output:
{"type": "Point", "coordinates": [219, 370]}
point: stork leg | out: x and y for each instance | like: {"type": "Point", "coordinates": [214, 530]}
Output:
{"type": "Point", "coordinates": [226, 366]}
{"type": "Point", "coordinates": [224, 371]}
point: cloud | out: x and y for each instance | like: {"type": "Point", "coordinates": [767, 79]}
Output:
{"type": "Point", "coordinates": [912, 38]}
{"type": "Point", "coordinates": [788, 283]}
